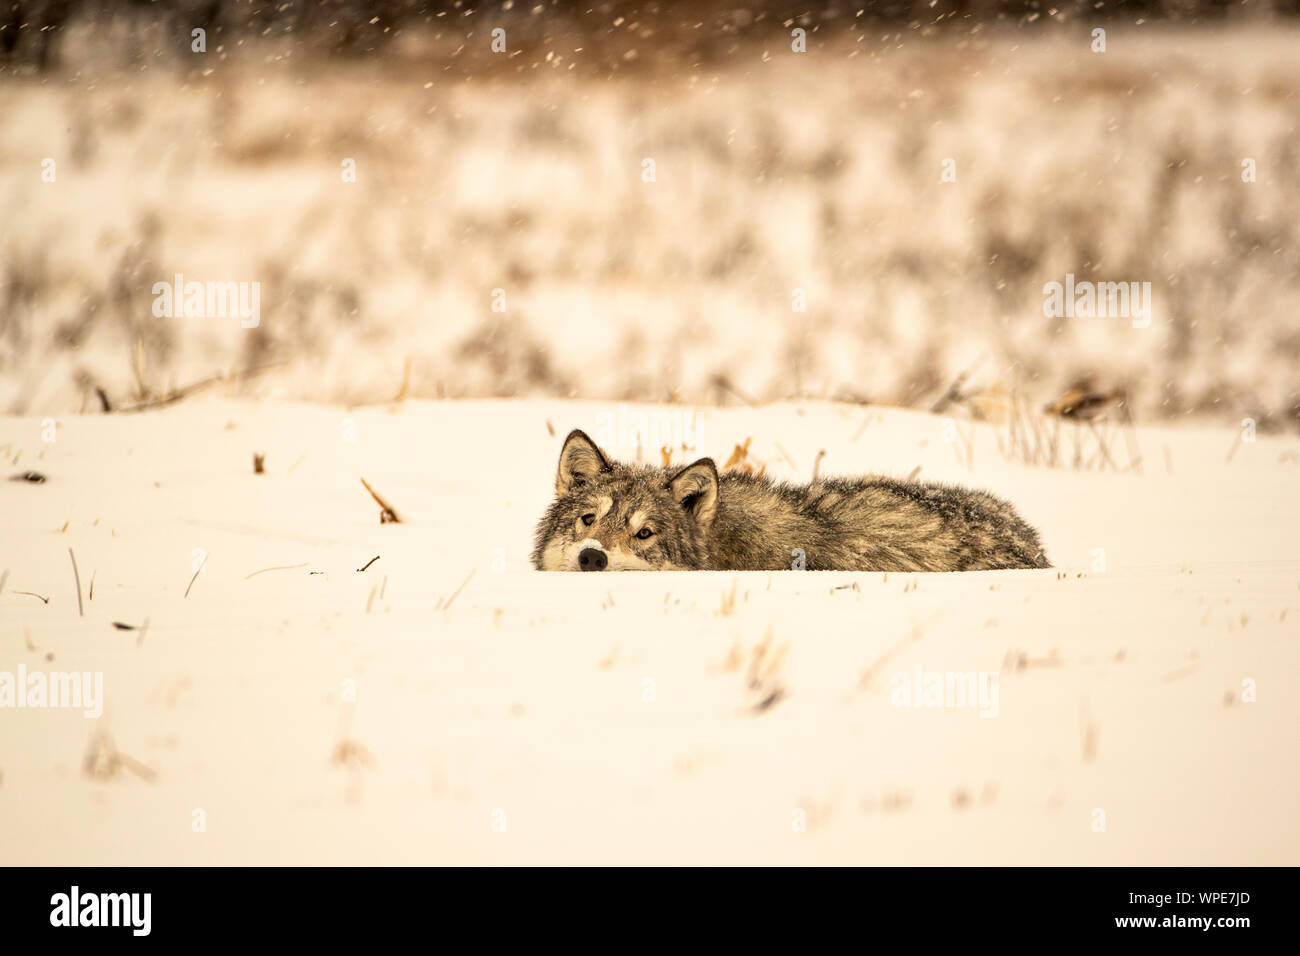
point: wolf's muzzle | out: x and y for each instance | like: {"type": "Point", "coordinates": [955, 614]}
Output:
{"type": "Point", "coordinates": [592, 559]}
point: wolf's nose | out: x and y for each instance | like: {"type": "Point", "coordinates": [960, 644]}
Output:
{"type": "Point", "coordinates": [592, 559]}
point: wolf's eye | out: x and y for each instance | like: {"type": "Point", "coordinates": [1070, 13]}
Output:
{"type": "Point", "coordinates": [645, 533]}
{"type": "Point", "coordinates": [588, 518]}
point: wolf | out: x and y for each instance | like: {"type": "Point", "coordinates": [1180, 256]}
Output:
{"type": "Point", "coordinates": [611, 516]}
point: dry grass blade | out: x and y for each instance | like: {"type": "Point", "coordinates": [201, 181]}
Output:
{"type": "Point", "coordinates": [76, 575]}
{"type": "Point", "coordinates": [187, 390]}
{"type": "Point", "coordinates": [455, 594]}
{"type": "Point", "coordinates": [738, 455]}
{"type": "Point", "coordinates": [103, 761]}
{"type": "Point", "coordinates": [283, 567]}
{"type": "Point", "coordinates": [386, 514]}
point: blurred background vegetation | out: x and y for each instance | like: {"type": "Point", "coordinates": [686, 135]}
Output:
{"type": "Point", "coordinates": [774, 172]}
{"type": "Point", "coordinates": [693, 32]}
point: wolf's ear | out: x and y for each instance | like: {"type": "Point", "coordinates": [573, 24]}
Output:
{"type": "Point", "coordinates": [695, 488]}
{"type": "Point", "coordinates": [580, 460]}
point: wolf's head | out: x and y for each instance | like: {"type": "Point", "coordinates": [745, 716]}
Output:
{"type": "Point", "coordinates": [609, 516]}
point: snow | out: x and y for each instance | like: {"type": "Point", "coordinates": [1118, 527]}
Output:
{"type": "Point", "coordinates": [510, 716]}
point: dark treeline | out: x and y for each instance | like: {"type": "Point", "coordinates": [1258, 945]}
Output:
{"type": "Point", "coordinates": [31, 30]}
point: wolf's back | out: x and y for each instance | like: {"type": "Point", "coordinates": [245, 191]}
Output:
{"type": "Point", "coordinates": [868, 524]}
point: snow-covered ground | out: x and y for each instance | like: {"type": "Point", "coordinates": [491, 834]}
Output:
{"type": "Point", "coordinates": [448, 704]}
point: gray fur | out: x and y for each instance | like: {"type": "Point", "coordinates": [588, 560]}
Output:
{"type": "Point", "coordinates": [700, 520]}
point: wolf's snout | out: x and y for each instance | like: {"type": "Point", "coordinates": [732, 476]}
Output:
{"type": "Point", "coordinates": [592, 559]}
